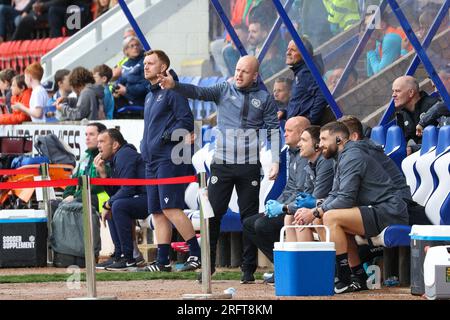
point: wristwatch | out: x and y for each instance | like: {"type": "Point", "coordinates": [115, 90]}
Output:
{"type": "Point", "coordinates": [316, 213]}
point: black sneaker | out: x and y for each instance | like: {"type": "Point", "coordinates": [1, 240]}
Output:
{"type": "Point", "coordinates": [105, 264]}
{"type": "Point", "coordinates": [354, 286]}
{"type": "Point", "coordinates": [156, 267]}
{"type": "Point", "coordinates": [122, 265]}
{"type": "Point", "coordinates": [140, 261]}
{"type": "Point", "coordinates": [359, 283]}
{"type": "Point", "coordinates": [247, 277]}
{"type": "Point", "coordinates": [192, 263]}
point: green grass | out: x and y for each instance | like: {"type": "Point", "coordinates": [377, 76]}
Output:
{"type": "Point", "coordinates": [121, 276]}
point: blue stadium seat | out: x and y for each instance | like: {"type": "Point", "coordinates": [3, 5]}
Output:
{"type": "Point", "coordinates": [395, 145]}
{"type": "Point", "coordinates": [378, 135]}
{"type": "Point", "coordinates": [130, 112]}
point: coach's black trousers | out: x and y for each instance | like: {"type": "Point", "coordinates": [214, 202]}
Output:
{"type": "Point", "coordinates": [246, 179]}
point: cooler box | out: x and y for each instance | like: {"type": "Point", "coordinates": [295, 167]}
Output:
{"type": "Point", "coordinates": [422, 236]}
{"type": "Point", "coordinates": [23, 236]}
{"type": "Point", "coordinates": [437, 273]}
{"type": "Point", "coordinates": [304, 268]}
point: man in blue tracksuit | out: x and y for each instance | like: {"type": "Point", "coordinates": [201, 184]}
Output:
{"type": "Point", "coordinates": [244, 114]}
{"type": "Point", "coordinates": [126, 203]}
{"type": "Point", "coordinates": [167, 116]}
{"type": "Point", "coordinates": [306, 97]}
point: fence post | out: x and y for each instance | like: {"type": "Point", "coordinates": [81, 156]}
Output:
{"type": "Point", "coordinates": [44, 171]}
{"type": "Point", "coordinates": [205, 251]}
{"type": "Point", "coordinates": [88, 237]}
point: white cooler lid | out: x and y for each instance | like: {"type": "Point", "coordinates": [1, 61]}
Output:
{"type": "Point", "coordinates": [304, 246]}
{"type": "Point", "coordinates": [440, 231]}
{"type": "Point", "coordinates": [22, 214]}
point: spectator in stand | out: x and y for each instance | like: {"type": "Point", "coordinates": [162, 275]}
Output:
{"type": "Point", "coordinates": [102, 75]}
{"type": "Point", "coordinates": [282, 93]}
{"type": "Point", "coordinates": [20, 95]}
{"type": "Point", "coordinates": [410, 104]}
{"type": "Point", "coordinates": [6, 77]}
{"type": "Point", "coordinates": [39, 97]}
{"type": "Point", "coordinates": [258, 31]}
{"type": "Point", "coordinates": [384, 45]}
{"type": "Point", "coordinates": [230, 53]}
{"type": "Point", "coordinates": [306, 97]}
{"type": "Point", "coordinates": [101, 7]}
{"type": "Point", "coordinates": [438, 114]}
{"type": "Point", "coordinates": [313, 20]}
{"type": "Point", "coordinates": [89, 103]}
{"type": "Point", "coordinates": [62, 90]}
{"type": "Point", "coordinates": [117, 70]}
{"type": "Point", "coordinates": [10, 15]}
{"type": "Point", "coordinates": [53, 12]}
{"type": "Point", "coordinates": [335, 75]}
{"type": "Point", "coordinates": [131, 88]}
{"type": "Point", "coordinates": [342, 14]}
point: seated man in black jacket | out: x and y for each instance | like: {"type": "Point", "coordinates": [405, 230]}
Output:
{"type": "Point", "coordinates": [410, 103]}
{"type": "Point", "coordinates": [126, 203]}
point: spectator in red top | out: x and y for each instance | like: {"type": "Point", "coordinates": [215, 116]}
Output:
{"type": "Point", "coordinates": [21, 95]}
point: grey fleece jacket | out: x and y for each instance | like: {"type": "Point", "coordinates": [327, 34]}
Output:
{"type": "Point", "coordinates": [360, 180]}
{"type": "Point", "coordinates": [318, 179]}
{"type": "Point", "coordinates": [86, 106]}
{"type": "Point", "coordinates": [296, 177]}
{"type": "Point", "coordinates": [397, 177]}
{"type": "Point", "coordinates": [242, 113]}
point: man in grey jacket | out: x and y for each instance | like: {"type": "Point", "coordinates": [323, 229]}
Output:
{"type": "Point", "coordinates": [246, 115]}
{"type": "Point", "coordinates": [362, 202]}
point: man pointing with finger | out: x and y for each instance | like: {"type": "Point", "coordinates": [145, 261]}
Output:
{"type": "Point", "coordinates": [246, 116]}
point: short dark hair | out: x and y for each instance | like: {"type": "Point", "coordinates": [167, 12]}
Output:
{"type": "Point", "coordinates": [103, 71]}
{"type": "Point", "coordinates": [115, 135]}
{"type": "Point", "coordinates": [314, 132]}
{"type": "Point", "coordinates": [161, 56]}
{"type": "Point", "coordinates": [353, 125]}
{"type": "Point", "coordinates": [7, 75]}
{"type": "Point", "coordinates": [336, 127]}
{"type": "Point", "coordinates": [59, 76]}
{"type": "Point", "coordinates": [80, 76]}
{"type": "Point", "coordinates": [20, 81]}
{"type": "Point", "coordinates": [100, 126]}
{"type": "Point", "coordinates": [286, 81]}
{"type": "Point", "coordinates": [241, 26]}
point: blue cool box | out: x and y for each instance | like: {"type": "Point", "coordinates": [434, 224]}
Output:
{"type": "Point", "coordinates": [304, 268]}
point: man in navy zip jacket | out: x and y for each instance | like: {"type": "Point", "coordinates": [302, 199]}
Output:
{"type": "Point", "coordinates": [244, 114]}
{"type": "Point", "coordinates": [167, 115]}
{"type": "Point", "coordinates": [306, 97]}
{"type": "Point", "coordinates": [126, 203]}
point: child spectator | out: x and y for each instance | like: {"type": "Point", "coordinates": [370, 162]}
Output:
{"type": "Point", "coordinates": [89, 103]}
{"type": "Point", "coordinates": [6, 77]}
{"type": "Point", "coordinates": [62, 89]}
{"type": "Point", "coordinates": [20, 95]}
{"type": "Point", "coordinates": [39, 97]}
{"type": "Point", "coordinates": [102, 75]}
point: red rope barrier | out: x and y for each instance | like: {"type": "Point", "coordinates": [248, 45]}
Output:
{"type": "Point", "coordinates": [142, 182]}
{"type": "Point", "coordinates": [39, 184]}
{"type": "Point", "coordinates": [11, 172]}
{"type": "Point", "coordinates": [97, 182]}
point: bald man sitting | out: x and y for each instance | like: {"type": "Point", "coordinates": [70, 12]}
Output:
{"type": "Point", "coordinates": [410, 103]}
{"type": "Point", "coordinates": [246, 116]}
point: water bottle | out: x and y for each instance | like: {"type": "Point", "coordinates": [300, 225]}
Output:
{"type": "Point", "coordinates": [231, 291]}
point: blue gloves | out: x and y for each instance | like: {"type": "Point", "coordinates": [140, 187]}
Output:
{"type": "Point", "coordinates": [273, 208]}
{"type": "Point", "coordinates": [305, 200]}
